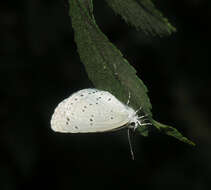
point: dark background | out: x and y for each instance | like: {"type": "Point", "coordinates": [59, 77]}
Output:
{"type": "Point", "coordinates": [39, 66]}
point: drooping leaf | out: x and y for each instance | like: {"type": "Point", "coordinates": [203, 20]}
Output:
{"type": "Point", "coordinates": [104, 63]}
{"type": "Point", "coordinates": [106, 66]}
{"type": "Point", "coordinates": [143, 15]}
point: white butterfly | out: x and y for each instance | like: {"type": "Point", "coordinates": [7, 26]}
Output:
{"type": "Point", "coordinates": [93, 110]}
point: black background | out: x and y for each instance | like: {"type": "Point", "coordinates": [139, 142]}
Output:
{"type": "Point", "coordinates": [39, 66]}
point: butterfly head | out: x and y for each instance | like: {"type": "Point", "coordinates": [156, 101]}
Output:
{"type": "Point", "coordinates": [136, 120]}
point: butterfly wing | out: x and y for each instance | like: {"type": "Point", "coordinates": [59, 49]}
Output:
{"type": "Point", "coordinates": [89, 110]}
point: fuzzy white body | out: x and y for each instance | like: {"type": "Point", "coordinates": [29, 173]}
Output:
{"type": "Point", "coordinates": [92, 110]}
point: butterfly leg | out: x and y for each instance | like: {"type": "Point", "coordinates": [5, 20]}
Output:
{"type": "Point", "coordinates": [143, 116]}
{"type": "Point", "coordinates": [143, 124]}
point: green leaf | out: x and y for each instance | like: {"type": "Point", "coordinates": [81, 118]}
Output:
{"type": "Point", "coordinates": [106, 66]}
{"type": "Point", "coordinates": [171, 131]}
{"type": "Point", "coordinates": [143, 15]}
{"type": "Point", "coordinates": [104, 63]}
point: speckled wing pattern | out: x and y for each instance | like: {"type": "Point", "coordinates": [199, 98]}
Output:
{"type": "Point", "coordinates": [89, 110]}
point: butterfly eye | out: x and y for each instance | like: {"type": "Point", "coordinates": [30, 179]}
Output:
{"type": "Point", "coordinates": [133, 124]}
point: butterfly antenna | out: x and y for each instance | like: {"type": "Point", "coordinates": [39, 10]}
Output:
{"type": "Point", "coordinates": [130, 144]}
